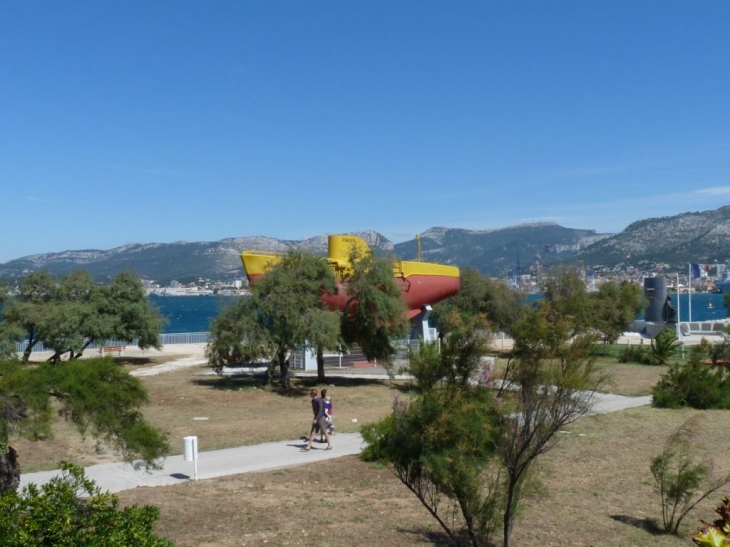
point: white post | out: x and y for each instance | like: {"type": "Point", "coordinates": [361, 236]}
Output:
{"type": "Point", "coordinates": [190, 451]}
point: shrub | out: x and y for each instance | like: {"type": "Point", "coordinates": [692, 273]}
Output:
{"type": "Point", "coordinates": [695, 385]}
{"type": "Point", "coordinates": [681, 480]}
{"type": "Point", "coordinates": [71, 510]}
{"type": "Point", "coordinates": [663, 347]}
{"type": "Point", "coordinates": [634, 354]}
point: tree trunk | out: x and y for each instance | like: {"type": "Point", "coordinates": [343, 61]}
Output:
{"type": "Point", "coordinates": [284, 369]}
{"type": "Point", "coordinates": [80, 353]}
{"type": "Point", "coordinates": [29, 348]}
{"type": "Point", "coordinates": [320, 366]}
{"type": "Point", "coordinates": [270, 373]}
{"type": "Point", "coordinates": [282, 358]}
{"type": "Point", "coordinates": [9, 469]}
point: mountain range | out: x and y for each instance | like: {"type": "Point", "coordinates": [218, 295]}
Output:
{"type": "Point", "coordinates": [701, 237]}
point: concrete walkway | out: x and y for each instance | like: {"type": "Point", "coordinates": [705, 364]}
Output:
{"type": "Point", "coordinates": [115, 477]}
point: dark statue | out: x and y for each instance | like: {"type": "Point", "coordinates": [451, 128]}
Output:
{"type": "Point", "coordinates": [669, 312]}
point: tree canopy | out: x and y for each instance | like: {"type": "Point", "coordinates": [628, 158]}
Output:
{"type": "Point", "coordinates": [72, 312]}
{"type": "Point", "coordinates": [479, 295]}
{"type": "Point", "coordinates": [70, 510]}
{"type": "Point", "coordinates": [97, 396]}
{"type": "Point", "coordinates": [465, 444]}
{"type": "Point", "coordinates": [609, 310]}
{"type": "Point", "coordinates": [376, 313]}
{"type": "Point", "coordinates": [286, 313]}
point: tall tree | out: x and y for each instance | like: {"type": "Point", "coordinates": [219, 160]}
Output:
{"type": "Point", "coordinates": [554, 375]}
{"type": "Point", "coordinates": [70, 313]}
{"type": "Point", "coordinates": [467, 448]}
{"type": "Point", "coordinates": [121, 311]}
{"type": "Point", "coordinates": [617, 304]}
{"type": "Point", "coordinates": [376, 311]}
{"type": "Point", "coordinates": [28, 309]}
{"type": "Point", "coordinates": [284, 314]}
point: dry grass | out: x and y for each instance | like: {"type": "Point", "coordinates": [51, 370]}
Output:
{"type": "Point", "coordinates": [599, 492]}
{"type": "Point", "coordinates": [599, 489]}
{"type": "Point", "coordinates": [237, 410]}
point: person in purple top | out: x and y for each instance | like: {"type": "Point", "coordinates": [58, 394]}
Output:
{"type": "Point", "coordinates": [328, 410]}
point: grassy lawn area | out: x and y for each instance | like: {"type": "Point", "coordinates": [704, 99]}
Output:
{"type": "Point", "coordinates": [596, 485]}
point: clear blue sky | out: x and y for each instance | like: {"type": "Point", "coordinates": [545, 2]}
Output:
{"type": "Point", "coordinates": [160, 121]}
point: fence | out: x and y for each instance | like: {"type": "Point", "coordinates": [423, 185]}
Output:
{"type": "Point", "coordinates": [354, 354]}
{"type": "Point", "coordinates": [402, 347]}
{"type": "Point", "coordinates": [165, 340]}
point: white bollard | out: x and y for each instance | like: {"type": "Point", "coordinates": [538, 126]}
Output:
{"type": "Point", "coordinates": [190, 451]}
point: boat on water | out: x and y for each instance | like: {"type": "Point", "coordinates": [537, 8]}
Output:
{"type": "Point", "coordinates": [421, 283]}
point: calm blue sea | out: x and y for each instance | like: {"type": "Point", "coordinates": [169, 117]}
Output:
{"type": "Point", "coordinates": [705, 307]}
{"type": "Point", "coordinates": [193, 313]}
{"type": "Point", "coordinates": [190, 313]}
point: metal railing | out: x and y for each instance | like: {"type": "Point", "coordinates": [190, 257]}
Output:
{"type": "Point", "coordinates": [402, 346]}
{"type": "Point", "coordinates": [167, 339]}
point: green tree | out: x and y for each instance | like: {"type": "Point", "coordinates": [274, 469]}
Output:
{"type": "Point", "coordinates": [566, 298]}
{"type": "Point", "coordinates": [122, 311]}
{"type": "Point", "coordinates": [441, 444]}
{"type": "Point", "coordinates": [71, 510]}
{"type": "Point", "coordinates": [376, 312]}
{"type": "Point", "coordinates": [493, 298]}
{"type": "Point", "coordinates": [98, 397]}
{"type": "Point", "coordinates": [27, 311]}
{"type": "Point", "coordinates": [549, 383]}
{"type": "Point", "coordinates": [285, 313]}
{"type": "Point", "coordinates": [70, 313]}
{"type": "Point", "coordinates": [476, 447]}
{"type": "Point", "coordinates": [616, 306]}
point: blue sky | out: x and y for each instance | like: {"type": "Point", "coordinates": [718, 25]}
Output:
{"type": "Point", "coordinates": [139, 122]}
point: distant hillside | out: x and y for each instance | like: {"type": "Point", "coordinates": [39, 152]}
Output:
{"type": "Point", "coordinates": [498, 252]}
{"type": "Point", "coordinates": [163, 262]}
{"type": "Point", "coordinates": [690, 237]}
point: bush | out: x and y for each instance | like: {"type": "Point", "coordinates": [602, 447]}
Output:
{"type": "Point", "coordinates": [695, 385]}
{"type": "Point", "coordinates": [71, 510]}
{"type": "Point", "coordinates": [681, 480]}
{"type": "Point", "coordinates": [634, 354]}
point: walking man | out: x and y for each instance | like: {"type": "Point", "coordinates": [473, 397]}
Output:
{"type": "Point", "coordinates": [319, 421]}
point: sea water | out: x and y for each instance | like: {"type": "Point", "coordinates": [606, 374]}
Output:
{"type": "Point", "coordinates": [194, 313]}
{"type": "Point", "coordinates": [190, 313]}
{"type": "Point", "coordinates": [700, 307]}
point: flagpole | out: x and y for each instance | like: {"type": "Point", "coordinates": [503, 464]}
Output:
{"type": "Point", "coordinates": [690, 293]}
{"type": "Point", "coordinates": [679, 309]}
